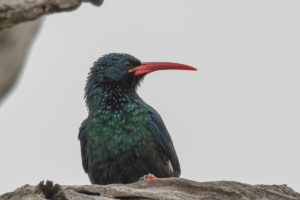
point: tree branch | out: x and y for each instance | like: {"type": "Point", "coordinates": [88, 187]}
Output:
{"type": "Point", "coordinates": [15, 43]}
{"type": "Point", "coordinates": [163, 189]}
{"type": "Point", "coordinates": [16, 11]}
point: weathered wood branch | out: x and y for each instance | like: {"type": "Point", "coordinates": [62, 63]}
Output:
{"type": "Point", "coordinates": [15, 41]}
{"type": "Point", "coordinates": [14, 45]}
{"type": "Point", "coordinates": [171, 189]}
{"type": "Point", "coordinates": [16, 11]}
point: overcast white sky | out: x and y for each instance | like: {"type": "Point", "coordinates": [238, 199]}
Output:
{"type": "Point", "coordinates": [236, 118]}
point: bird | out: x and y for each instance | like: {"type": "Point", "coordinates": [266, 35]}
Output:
{"type": "Point", "coordinates": [123, 138]}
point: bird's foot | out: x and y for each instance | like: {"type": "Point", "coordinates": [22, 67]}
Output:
{"type": "Point", "coordinates": [147, 177]}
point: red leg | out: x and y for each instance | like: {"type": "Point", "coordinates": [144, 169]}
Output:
{"type": "Point", "coordinates": [148, 177]}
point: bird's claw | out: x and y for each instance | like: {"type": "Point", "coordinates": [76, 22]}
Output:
{"type": "Point", "coordinates": [147, 177]}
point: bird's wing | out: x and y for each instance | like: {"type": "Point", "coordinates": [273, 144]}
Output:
{"type": "Point", "coordinates": [164, 141]}
{"type": "Point", "coordinates": [82, 138]}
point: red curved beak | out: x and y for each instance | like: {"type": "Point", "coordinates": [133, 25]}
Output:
{"type": "Point", "coordinates": [148, 67]}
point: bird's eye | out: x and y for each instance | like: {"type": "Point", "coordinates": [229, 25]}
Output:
{"type": "Point", "coordinates": [127, 64]}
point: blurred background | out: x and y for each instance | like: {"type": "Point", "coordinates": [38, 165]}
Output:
{"type": "Point", "coordinates": [236, 118]}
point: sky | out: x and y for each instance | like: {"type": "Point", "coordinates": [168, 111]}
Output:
{"type": "Point", "coordinates": [236, 118]}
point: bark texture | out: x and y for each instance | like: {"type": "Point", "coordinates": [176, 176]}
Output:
{"type": "Point", "coordinates": [14, 45]}
{"type": "Point", "coordinates": [164, 189]}
{"type": "Point", "coordinates": [16, 11]}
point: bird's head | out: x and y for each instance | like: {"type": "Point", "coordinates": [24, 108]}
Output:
{"type": "Point", "coordinates": [113, 69]}
{"type": "Point", "coordinates": [115, 75]}
{"type": "Point", "coordinates": [125, 70]}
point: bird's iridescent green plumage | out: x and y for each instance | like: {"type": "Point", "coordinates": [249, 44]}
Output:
{"type": "Point", "coordinates": [123, 138]}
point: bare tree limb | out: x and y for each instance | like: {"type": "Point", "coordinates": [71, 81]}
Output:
{"type": "Point", "coordinates": [14, 45]}
{"type": "Point", "coordinates": [163, 189]}
{"type": "Point", "coordinates": [16, 11]}
{"type": "Point", "coordinates": [15, 41]}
